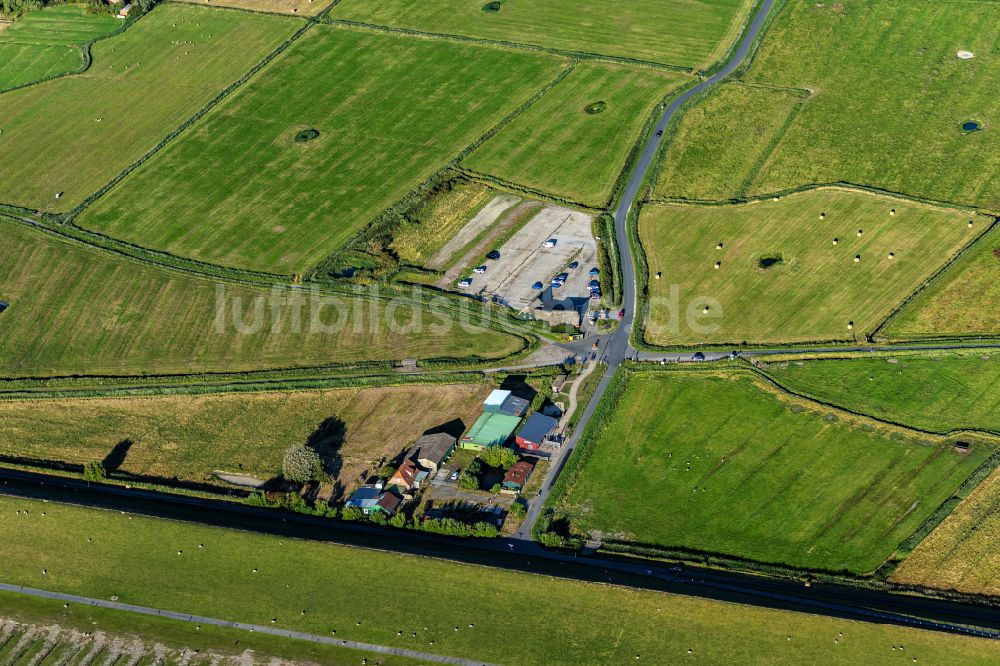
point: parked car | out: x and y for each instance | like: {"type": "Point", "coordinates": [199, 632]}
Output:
{"type": "Point", "coordinates": [479, 270]}
{"type": "Point", "coordinates": [594, 284]}
{"type": "Point", "coordinates": [556, 284]}
{"type": "Point", "coordinates": [550, 242]}
{"type": "Point", "coordinates": [562, 277]}
{"type": "Point", "coordinates": [595, 271]}
{"type": "Point", "coordinates": [454, 475]}
{"type": "Point", "coordinates": [573, 264]}
{"type": "Point", "coordinates": [621, 314]}
{"type": "Point", "coordinates": [698, 356]}
{"type": "Point", "coordinates": [494, 255]}
{"type": "Point", "coordinates": [466, 283]}
{"type": "Point", "coordinates": [537, 285]}
{"type": "Point", "coordinates": [659, 133]}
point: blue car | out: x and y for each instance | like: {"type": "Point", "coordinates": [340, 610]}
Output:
{"type": "Point", "coordinates": [537, 285]}
{"type": "Point", "coordinates": [594, 284]}
{"type": "Point", "coordinates": [594, 272]}
{"type": "Point", "coordinates": [573, 264]}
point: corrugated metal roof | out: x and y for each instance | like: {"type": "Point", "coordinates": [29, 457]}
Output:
{"type": "Point", "coordinates": [537, 427]}
{"type": "Point", "coordinates": [492, 428]}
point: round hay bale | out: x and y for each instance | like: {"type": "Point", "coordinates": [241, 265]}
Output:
{"type": "Point", "coordinates": [719, 246]}
{"type": "Point", "coordinates": [892, 212]}
{"type": "Point", "coordinates": [892, 255]}
{"type": "Point", "coordinates": [850, 325]}
{"type": "Point", "coordinates": [860, 231]}
{"type": "Point", "coordinates": [822, 216]}
{"type": "Point", "coordinates": [836, 240]}
{"type": "Point", "coordinates": [857, 258]}
{"type": "Point", "coordinates": [965, 55]}
{"type": "Point", "coordinates": [718, 265]}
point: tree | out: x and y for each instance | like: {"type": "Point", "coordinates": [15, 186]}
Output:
{"type": "Point", "coordinates": [351, 513]}
{"type": "Point", "coordinates": [518, 509]}
{"type": "Point", "coordinates": [301, 464]}
{"type": "Point", "coordinates": [398, 520]}
{"type": "Point", "coordinates": [469, 478]}
{"type": "Point", "coordinates": [499, 456]}
{"type": "Point", "coordinates": [94, 471]}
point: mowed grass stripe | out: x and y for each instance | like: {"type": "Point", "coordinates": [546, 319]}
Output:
{"type": "Point", "coordinates": [74, 134]}
{"type": "Point", "coordinates": [678, 32]}
{"type": "Point", "coordinates": [76, 310]}
{"type": "Point", "coordinates": [390, 111]}
{"type": "Point", "coordinates": [717, 464]}
{"type": "Point", "coordinates": [45, 43]}
{"type": "Point", "coordinates": [559, 148]}
{"type": "Point", "coordinates": [817, 289]}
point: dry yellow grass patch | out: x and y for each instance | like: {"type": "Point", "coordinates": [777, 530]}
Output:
{"type": "Point", "coordinates": [962, 553]}
{"type": "Point", "coordinates": [189, 437]}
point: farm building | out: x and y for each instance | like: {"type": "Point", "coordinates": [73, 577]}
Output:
{"type": "Point", "coordinates": [490, 429]}
{"type": "Point", "coordinates": [372, 499]}
{"type": "Point", "coordinates": [535, 431]}
{"type": "Point", "coordinates": [124, 11]}
{"type": "Point", "coordinates": [517, 476]}
{"type": "Point", "coordinates": [431, 450]}
{"type": "Point", "coordinates": [504, 402]}
{"type": "Point", "coordinates": [408, 477]}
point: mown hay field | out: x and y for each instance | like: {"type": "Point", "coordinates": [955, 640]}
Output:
{"type": "Point", "coordinates": [74, 134]}
{"type": "Point", "coordinates": [715, 463]}
{"type": "Point", "coordinates": [815, 289]}
{"type": "Point", "coordinates": [189, 437]}
{"type": "Point", "coordinates": [46, 43]}
{"type": "Point", "coordinates": [75, 310]}
{"type": "Point", "coordinates": [299, 7]}
{"type": "Point", "coordinates": [934, 393]}
{"type": "Point", "coordinates": [722, 141]}
{"type": "Point", "coordinates": [280, 205]}
{"type": "Point", "coordinates": [889, 99]}
{"type": "Point", "coordinates": [689, 33]}
{"type": "Point", "coordinates": [961, 553]}
{"type": "Point", "coordinates": [259, 579]}
{"type": "Point", "coordinates": [557, 147]}
{"type": "Point", "coordinates": [962, 301]}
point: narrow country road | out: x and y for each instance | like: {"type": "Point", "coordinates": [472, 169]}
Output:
{"type": "Point", "coordinates": [615, 347]}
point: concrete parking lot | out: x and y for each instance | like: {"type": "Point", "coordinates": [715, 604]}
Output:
{"type": "Point", "coordinates": [524, 260]}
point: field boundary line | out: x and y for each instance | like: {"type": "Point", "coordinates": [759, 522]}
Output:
{"type": "Point", "coordinates": [932, 279]}
{"type": "Point", "coordinates": [86, 55]}
{"type": "Point", "coordinates": [500, 43]}
{"type": "Point", "coordinates": [758, 167]}
{"type": "Point", "coordinates": [260, 629]}
{"type": "Point", "coordinates": [517, 188]}
{"type": "Point", "coordinates": [259, 12]}
{"type": "Point", "coordinates": [388, 219]}
{"type": "Point", "coordinates": [69, 217]}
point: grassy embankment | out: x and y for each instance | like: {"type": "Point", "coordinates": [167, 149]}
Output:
{"type": "Point", "coordinates": [320, 588]}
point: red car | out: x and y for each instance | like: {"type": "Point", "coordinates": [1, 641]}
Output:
{"type": "Point", "coordinates": [621, 314]}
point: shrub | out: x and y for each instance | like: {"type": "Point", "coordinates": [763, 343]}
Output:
{"type": "Point", "coordinates": [595, 108]}
{"type": "Point", "coordinates": [301, 464]}
{"type": "Point", "coordinates": [398, 520]}
{"type": "Point", "coordinates": [351, 513]}
{"type": "Point", "coordinates": [499, 457]}
{"type": "Point", "coordinates": [94, 471]}
{"type": "Point", "coordinates": [491, 7]}
{"type": "Point", "coordinates": [518, 509]}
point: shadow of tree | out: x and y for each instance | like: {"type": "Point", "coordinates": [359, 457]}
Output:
{"type": "Point", "coordinates": [116, 456]}
{"type": "Point", "coordinates": [518, 385]}
{"type": "Point", "coordinates": [455, 428]}
{"type": "Point", "coordinates": [326, 440]}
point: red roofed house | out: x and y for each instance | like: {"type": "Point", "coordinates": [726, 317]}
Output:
{"type": "Point", "coordinates": [516, 477]}
{"type": "Point", "coordinates": [408, 477]}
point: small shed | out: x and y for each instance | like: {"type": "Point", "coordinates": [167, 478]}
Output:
{"type": "Point", "coordinates": [517, 476]}
{"type": "Point", "coordinates": [431, 450]}
{"type": "Point", "coordinates": [505, 402]}
{"type": "Point", "coordinates": [372, 499]}
{"type": "Point", "coordinates": [535, 431]}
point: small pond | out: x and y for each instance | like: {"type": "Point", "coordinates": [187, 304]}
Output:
{"type": "Point", "coordinates": [3, 305]}
{"type": "Point", "coordinates": [970, 126]}
{"type": "Point", "coordinates": [307, 135]}
{"type": "Point", "coordinates": [770, 261]}
{"type": "Point", "coordinates": [491, 7]}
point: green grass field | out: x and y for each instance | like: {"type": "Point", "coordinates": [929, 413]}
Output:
{"type": "Point", "coordinates": [690, 33]}
{"type": "Point", "coordinates": [961, 553]}
{"type": "Point", "coordinates": [300, 7]}
{"type": "Point", "coordinates": [320, 588]}
{"type": "Point", "coordinates": [723, 140]}
{"type": "Point", "coordinates": [960, 302]}
{"type": "Point", "coordinates": [282, 206]}
{"type": "Point", "coordinates": [189, 437]}
{"type": "Point", "coordinates": [559, 148]}
{"type": "Point", "coordinates": [890, 98]}
{"type": "Point", "coordinates": [816, 290]}
{"type": "Point", "coordinates": [46, 43]}
{"type": "Point", "coordinates": [83, 630]}
{"type": "Point", "coordinates": [76, 133]}
{"type": "Point", "coordinates": [74, 310]}
{"type": "Point", "coordinates": [714, 463]}
{"type": "Point", "coordinates": [934, 393]}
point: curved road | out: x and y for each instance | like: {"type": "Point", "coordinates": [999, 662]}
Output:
{"type": "Point", "coordinates": [615, 348]}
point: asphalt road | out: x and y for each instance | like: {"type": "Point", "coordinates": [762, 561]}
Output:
{"type": "Point", "coordinates": [615, 348]}
{"type": "Point", "coordinates": [826, 599]}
